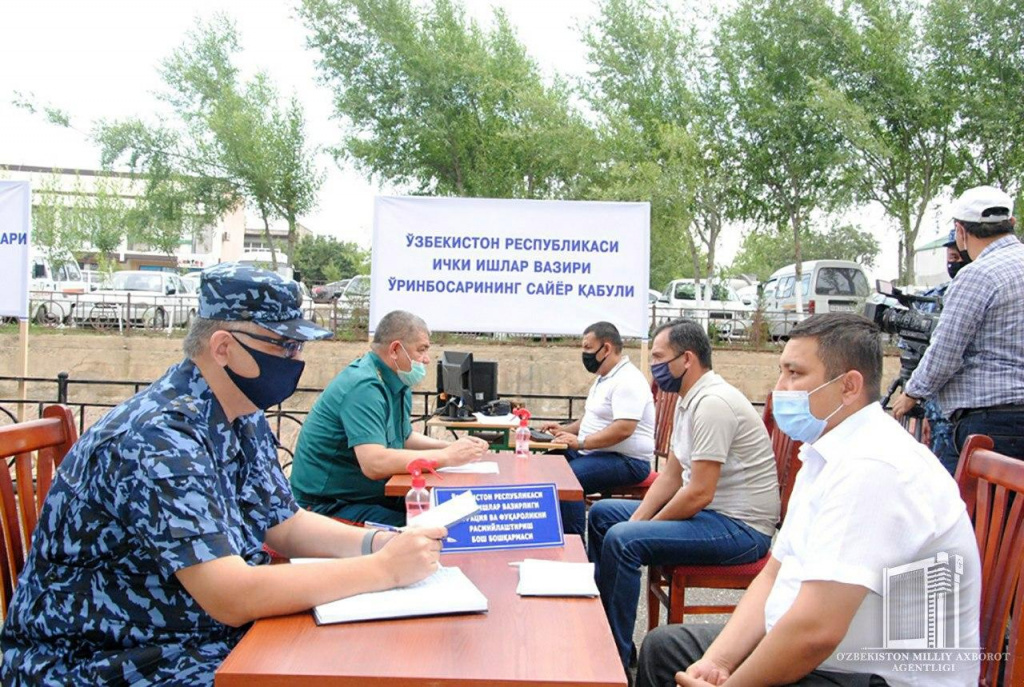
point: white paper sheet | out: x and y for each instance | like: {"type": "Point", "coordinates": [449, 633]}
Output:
{"type": "Point", "coordinates": [483, 467]}
{"type": "Point", "coordinates": [451, 512]}
{"type": "Point", "coordinates": [510, 419]}
{"type": "Point", "coordinates": [556, 578]}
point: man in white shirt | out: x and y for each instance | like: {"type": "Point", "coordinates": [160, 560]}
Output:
{"type": "Point", "coordinates": [871, 510]}
{"type": "Point", "coordinates": [613, 443]}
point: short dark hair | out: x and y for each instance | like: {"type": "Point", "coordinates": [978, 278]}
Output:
{"type": "Point", "coordinates": [606, 332]}
{"type": "Point", "coordinates": [984, 230]}
{"type": "Point", "coordinates": [684, 335]}
{"type": "Point", "coordinates": [846, 341]}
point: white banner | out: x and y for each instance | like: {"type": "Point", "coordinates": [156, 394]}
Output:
{"type": "Point", "coordinates": [514, 266]}
{"type": "Point", "coordinates": [15, 241]}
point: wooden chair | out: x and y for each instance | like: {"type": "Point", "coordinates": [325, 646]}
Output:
{"type": "Point", "coordinates": [992, 486]}
{"type": "Point", "coordinates": [22, 498]}
{"type": "Point", "coordinates": [666, 585]}
{"type": "Point", "coordinates": [664, 417]}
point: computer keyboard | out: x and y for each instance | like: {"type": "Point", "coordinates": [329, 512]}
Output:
{"type": "Point", "coordinates": [542, 437]}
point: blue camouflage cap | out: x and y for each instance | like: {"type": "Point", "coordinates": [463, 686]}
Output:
{"type": "Point", "coordinates": [951, 241]}
{"type": "Point", "coordinates": [235, 292]}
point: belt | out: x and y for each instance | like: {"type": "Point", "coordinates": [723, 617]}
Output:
{"type": "Point", "coordinates": [961, 413]}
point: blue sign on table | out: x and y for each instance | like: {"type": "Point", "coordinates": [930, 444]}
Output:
{"type": "Point", "coordinates": [521, 516]}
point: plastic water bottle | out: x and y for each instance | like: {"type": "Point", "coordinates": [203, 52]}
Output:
{"type": "Point", "coordinates": [523, 434]}
{"type": "Point", "coordinates": [417, 499]}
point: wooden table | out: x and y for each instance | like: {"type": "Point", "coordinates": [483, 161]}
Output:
{"type": "Point", "coordinates": [507, 431]}
{"type": "Point", "coordinates": [532, 470]}
{"type": "Point", "coordinates": [519, 641]}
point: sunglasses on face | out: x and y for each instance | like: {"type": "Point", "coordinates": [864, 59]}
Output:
{"type": "Point", "coordinates": [291, 347]}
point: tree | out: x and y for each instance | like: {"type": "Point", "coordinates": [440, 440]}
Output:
{"type": "Point", "coordinates": [434, 101]}
{"type": "Point", "coordinates": [640, 83]}
{"type": "Point", "coordinates": [323, 258]}
{"type": "Point", "coordinates": [790, 157]}
{"type": "Point", "coordinates": [763, 252]}
{"type": "Point", "coordinates": [54, 228]}
{"type": "Point", "coordinates": [894, 116]}
{"type": "Point", "coordinates": [253, 142]}
{"type": "Point", "coordinates": [979, 55]}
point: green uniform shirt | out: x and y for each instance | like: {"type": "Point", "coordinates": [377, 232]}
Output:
{"type": "Point", "coordinates": [365, 404]}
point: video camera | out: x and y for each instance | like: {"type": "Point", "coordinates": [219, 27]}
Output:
{"type": "Point", "coordinates": [913, 327]}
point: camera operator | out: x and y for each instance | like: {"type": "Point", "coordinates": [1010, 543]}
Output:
{"type": "Point", "coordinates": [974, 368]}
{"type": "Point", "coordinates": [937, 429]}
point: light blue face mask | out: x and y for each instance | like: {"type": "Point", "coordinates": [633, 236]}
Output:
{"type": "Point", "coordinates": [415, 374]}
{"type": "Point", "coordinates": [792, 412]}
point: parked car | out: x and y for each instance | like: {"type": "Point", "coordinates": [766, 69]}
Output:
{"type": "Point", "coordinates": [720, 305]}
{"type": "Point", "coordinates": [325, 293]}
{"type": "Point", "coordinates": [54, 282]}
{"type": "Point", "coordinates": [141, 298]}
{"type": "Point", "coordinates": [356, 294]}
{"type": "Point", "coordinates": [191, 282]}
{"type": "Point", "coordinates": [839, 286]}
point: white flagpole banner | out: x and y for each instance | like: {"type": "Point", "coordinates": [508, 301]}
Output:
{"type": "Point", "coordinates": [512, 266]}
{"type": "Point", "coordinates": [15, 240]}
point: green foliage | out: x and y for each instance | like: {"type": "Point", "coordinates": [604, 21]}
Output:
{"type": "Point", "coordinates": [325, 259]}
{"type": "Point", "coordinates": [641, 86]}
{"type": "Point", "coordinates": [251, 141]}
{"type": "Point", "coordinates": [790, 158]}
{"type": "Point", "coordinates": [979, 56]}
{"type": "Point", "coordinates": [895, 119]}
{"type": "Point", "coordinates": [437, 102]}
{"type": "Point", "coordinates": [763, 252]}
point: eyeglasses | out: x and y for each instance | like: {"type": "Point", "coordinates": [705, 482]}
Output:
{"type": "Point", "coordinates": [291, 347]}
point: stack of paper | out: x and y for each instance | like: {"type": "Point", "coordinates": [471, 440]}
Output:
{"type": "Point", "coordinates": [556, 578]}
{"type": "Point", "coordinates": [509, 420]}
{"type": "Point", "coordinates": [448, 591]}
{"type": "Point", "coordinates": [480, 467]}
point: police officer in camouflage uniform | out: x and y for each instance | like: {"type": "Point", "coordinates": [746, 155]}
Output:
{"type": "Point", "coordinates": [147, 564]}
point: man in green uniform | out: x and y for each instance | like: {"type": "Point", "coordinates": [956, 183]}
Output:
{"type": "Point", "coordinates": [358, 433]}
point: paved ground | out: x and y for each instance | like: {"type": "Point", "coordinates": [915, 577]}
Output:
{"type": "Point", "coordinates": [697, 596]}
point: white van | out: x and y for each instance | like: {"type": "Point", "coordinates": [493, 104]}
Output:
{"type": "Point", "coordinates": [838, 286]}
{"type": "Point", "coordinates": [54, 282]}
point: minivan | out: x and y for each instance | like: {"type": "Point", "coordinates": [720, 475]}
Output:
{"type": "Point", "coordinates": [839, 286]}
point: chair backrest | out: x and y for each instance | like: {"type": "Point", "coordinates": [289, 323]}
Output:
{"type": "Point", "coordinates": [786, 450]}
{"type": "Point", "coordinates": [22, 498]}
{"type": "Point", "coordinates": [992, 486]}
{"type": "Point", "coordinates": [664, 417]}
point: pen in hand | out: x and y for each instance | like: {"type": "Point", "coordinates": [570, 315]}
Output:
{"type": "Point", "coordinates": [392, 528]}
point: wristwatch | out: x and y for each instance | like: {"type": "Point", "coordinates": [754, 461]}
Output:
{"type": "Point", "coordinates": [583, 443]}
{"type": "Point", "coordinates": [367, 547]}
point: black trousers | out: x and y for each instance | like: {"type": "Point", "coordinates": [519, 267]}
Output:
{"type": "Point", "coordinates": [672, 648]}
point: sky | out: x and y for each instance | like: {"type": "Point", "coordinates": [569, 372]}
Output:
{"type": "Point", "coordinates": [99, 59]}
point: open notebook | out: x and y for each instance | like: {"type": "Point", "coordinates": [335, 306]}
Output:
{"type": "Point", "coordinates": [447, 592]}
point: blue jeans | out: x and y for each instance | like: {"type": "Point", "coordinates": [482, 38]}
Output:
{"type": "Point", "coordinates": [619, 548]}
{"type": "Point", "coordinates": [1004, 426]}
{"type": "Point", "coordinates": [598, 471]}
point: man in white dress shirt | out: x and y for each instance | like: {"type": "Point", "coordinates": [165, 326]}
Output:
{"type": "Point", "coordinates": [613, 443]}
{"type": "Point", "coordinates": [869, 500]}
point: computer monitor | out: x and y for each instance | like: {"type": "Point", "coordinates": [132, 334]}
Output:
{"type": "Point", "coordinates": [457, 382]}
{"type": "Point", "coordinates": [475, 390]}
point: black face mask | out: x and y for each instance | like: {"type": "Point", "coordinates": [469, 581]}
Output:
{"type": "Point", "coordinates": [277, 380]}
{"type": "Point", "coordinates": [591, 362]}
{"type": "Point", "coordinates": [953, 267]}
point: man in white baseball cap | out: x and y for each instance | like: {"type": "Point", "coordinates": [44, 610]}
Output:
{"type": "Point", "coordinates": [974, 366]}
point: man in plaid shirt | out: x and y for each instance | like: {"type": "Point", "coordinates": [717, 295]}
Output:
{"type": "Point", "coordinates": [974, 367]}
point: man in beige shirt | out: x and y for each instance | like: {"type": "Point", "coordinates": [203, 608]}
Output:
{"type": "Point", "coordinates": [715, 503]}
